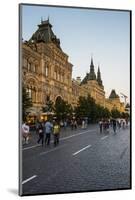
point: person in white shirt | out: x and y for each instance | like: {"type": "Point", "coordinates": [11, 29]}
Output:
{"type": "Point", "coordinates": [25, 132]}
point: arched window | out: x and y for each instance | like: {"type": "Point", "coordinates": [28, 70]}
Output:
{"type": "Point", "coordinates": [36, 68]}
{"type": "Point", "coordinates": [63, 77]}
{"type": "Point", "coordinates": [47, 98]}
{"type": "Point", "coordinates": [58, 76]}
{"type": "Point", "coordinates": [29, 66]}
{"type": "Point", "coordinates": [55, 74]}
{"type": "Point", "coordinates": [33, 68]}
{"type": "Point", "coordinates": [58, 99]}
{"type": "Point", "coordinates": [47, 71]}
{"type": "Point", "coordinates": [33, 94]}
{"type": "Point", "coordinates": [28, 90]}
{"type": "Point", "coordinates": [25, 62]}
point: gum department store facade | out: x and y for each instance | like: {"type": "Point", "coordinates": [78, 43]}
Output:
{"type": "Point", "coordinates": [47, 74]}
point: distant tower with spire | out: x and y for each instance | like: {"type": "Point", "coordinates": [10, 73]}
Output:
{"type": "Point", "coordinates": [94, 84]}
{"type": "Point", "coordinates": [99, 80]}
{"type": "Point", "coordinates": [92, 75]}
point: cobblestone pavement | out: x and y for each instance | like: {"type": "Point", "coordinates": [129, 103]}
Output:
{"type": "Point", "coordinates": [85, 160]}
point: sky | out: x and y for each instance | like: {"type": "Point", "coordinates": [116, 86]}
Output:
{"type": "Point", "coordinates": [102, 34]}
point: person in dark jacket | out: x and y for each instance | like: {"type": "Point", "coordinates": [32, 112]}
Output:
{"type": "Point", "coordinates": [114, 125]}
{"type": "Point", "coordinates": [40, 133]}
{"type": "Point", "coordinates": [101, 126]}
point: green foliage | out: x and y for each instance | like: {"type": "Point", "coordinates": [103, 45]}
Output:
{"type": "Point", "coordinates": [62, 109]}
{"type": "Point", "coordinates": [125, 115]}
{"type": "Point", "coordinates": [88, 108]}
{"type": "Point", "coordinates": [106, 113]}
{"type": "Point", "coordinates": [82, 109]}
{"type": "Point", "coordinates": [26, 103]}
{"type": "Point", "coordinates": [49, 107]}
{"type": "Point", "coordinates": [102, 112]}
{"type": "Point", "coordinates": [115, 113]}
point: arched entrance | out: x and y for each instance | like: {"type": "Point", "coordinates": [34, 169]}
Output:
{"type": "Point", "coordinates": [58, 99]}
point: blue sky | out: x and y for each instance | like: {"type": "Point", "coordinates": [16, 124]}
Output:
{"type": "Point", "coordinates": [86, 32]}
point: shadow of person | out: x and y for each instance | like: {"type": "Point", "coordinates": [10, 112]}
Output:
{"type": "Point", "coordinates": [13, 191]}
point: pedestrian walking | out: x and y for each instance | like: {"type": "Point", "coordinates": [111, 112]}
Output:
{"type": "Point", "coordinates": [123, 124]}
{"type": "Point", "coordinates": [107, 126]}
{"type": "Point", "coordinates": [86, 124]}
{"type": "Point", "coordinates": [126, 123]}
{"type": "Point", "coordinates": [65, 124]}
{"type": "Point", "coordinates": [118, 124]}
{"type": "Point", "coordinates": [48, 130]}
{"type": "Point", "coordinates": [104, 125]}
{"type": "Point", "coordinates": [25, 132]}
{"type": "Point", "coordinates": [75, 124]}
{"type": "Point", "coordinates": [72, 124]}
{"type": "Point", "coordinates": [114, 124]}
{"type": "Point", "coordinates": [40, 133]}
{"type": "Point", "coordinates": [83, 124]}
{"type": "Point", "coordinates": [56, 133]}
{"type": "Point", "coordinates": [101, 126]}
{"type": "Point", "coordinates": [37, 127]}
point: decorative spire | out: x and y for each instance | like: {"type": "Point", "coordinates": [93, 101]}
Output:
{"type": "Point", "coordinates": [45, 34]}
{"type": "Point", "coordinates": [92, 75]}
{"type": "Point", "coordinates": [99, 80]}
{"type": "Point", "coordinates": [41, 20]}
{"type": "Point", "coordinates": [91, 61]}
{"type": "Point", "coordinates": [113, 95]}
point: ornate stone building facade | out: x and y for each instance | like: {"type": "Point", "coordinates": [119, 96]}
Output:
{"type": "Point", "coordinates": [47, 73]}
{"type": "Point", "coordinates": [113, 102]}
{"type": "Point", "coordinates": [94, 85]}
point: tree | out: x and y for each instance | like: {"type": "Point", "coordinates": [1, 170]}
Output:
{"type": "Point", "coordinates": [115, 113]}
{"type": "Point", "coordinates": [125, 115]}
{"type": "Point", "coordinates": [62, 109]}
{"type": "Point", "coordinates": [106, 113]}
{"type": "Point", "coordinates": [82, 109]}
{"type": "Point", "coordinates": [102, 112]}
{"type": "Point", "coordinates": [49, 107]}
{"type": "Point", "coordinates": [26, 103]}
{"type": "Point", "coordinates": [86, 108]}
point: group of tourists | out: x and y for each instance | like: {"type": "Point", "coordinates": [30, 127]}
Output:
{"type": "Point", "coordinates": [74, 123]}
{"type": "Point", "coordinates": [104, 125]}
{"type": "Point", "coordinates": [44, 132]}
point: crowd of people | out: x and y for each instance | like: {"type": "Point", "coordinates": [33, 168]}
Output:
{"type": "Point", "coordinates": [105, 125]}
{"type": "Point", "coordinates": [44, 130]}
